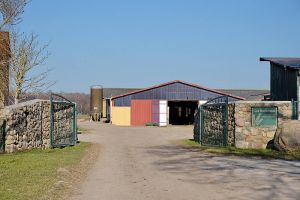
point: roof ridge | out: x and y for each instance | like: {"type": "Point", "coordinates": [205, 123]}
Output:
{"type": "Point", "coordinates": [178, 81]}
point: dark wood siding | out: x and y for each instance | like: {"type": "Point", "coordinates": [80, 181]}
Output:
{"type": "Point", "coordinates": [283, 83]}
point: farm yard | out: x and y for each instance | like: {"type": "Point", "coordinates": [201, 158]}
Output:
{"type": "Point", "coordinates": [146, 163]}
{"type": "Point", "coordinates": [149, 100]}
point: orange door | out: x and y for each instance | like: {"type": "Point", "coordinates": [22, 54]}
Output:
{"type": "Point", "coordinates": [141, 112]}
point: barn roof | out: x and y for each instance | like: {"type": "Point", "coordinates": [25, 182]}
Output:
{"type": "Point", "coordinates": [284, 62]}
{"type": "Point", "coordinates": [250, 95]}
{"type": "Point", "coordinates": [111, 92]}
{"type": "Point", "coordinates": [178, 81]}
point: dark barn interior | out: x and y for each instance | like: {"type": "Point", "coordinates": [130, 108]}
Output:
{"type": "Point", "coordinates": [182, 112]}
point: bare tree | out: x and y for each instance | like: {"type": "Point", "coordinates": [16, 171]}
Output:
{"type": "Point", "coordinates": [26, 56]}
{"type": "Point", "coordinates": [10, 11]}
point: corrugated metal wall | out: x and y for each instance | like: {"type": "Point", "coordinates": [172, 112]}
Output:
{"type": "Point", "coordinates": [155, 111]}
{"type": "Point", "coordinates": [121, 116]}
{"type": "Point", "coordinates": [141, 112]}
{"type": "Point", "coordinates": [175, 91]}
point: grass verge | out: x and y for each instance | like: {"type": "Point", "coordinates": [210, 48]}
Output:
{"type": "Point", "coordinates": [34, 174]}
{"type": "Point", "coordinates": [261, 153]}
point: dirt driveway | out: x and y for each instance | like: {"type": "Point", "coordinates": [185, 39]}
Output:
{"type": "Point", "coordinates": [140, 163]}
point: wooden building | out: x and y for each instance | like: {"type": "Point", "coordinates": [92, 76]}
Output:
{"type": "Point", "coordinates": [285, 78]}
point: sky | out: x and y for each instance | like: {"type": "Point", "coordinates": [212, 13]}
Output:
{"type": "Point", "coordinates": [139, 43]}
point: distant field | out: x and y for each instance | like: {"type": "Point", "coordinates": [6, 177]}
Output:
{"type": "Point", "coordinates": [38, 174]}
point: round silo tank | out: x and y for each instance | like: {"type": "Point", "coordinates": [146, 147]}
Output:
{"type": "Point", "coordinates": [96, 102]}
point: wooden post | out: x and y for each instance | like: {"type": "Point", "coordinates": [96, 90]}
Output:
{"type": "Point", "coordinates": [4, 68]}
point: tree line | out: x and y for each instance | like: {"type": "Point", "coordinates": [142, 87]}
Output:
{"type": "Point", "coordinates": [81, 99]}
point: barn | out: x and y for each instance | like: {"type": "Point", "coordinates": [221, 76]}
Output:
{"type": "Point", "coordinates": [285, 78]}
{"type": "Point", "coordinates": [173, 103]}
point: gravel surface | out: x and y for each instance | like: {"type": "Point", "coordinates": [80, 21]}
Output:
{"type": "Point", "coordinates": [138, 163]}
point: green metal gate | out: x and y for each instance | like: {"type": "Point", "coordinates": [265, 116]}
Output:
{"type": "Point", "coordinates": [63, 129]}
{"type": "Point", "coordinates": [2, 136]}
{"type": "Point", "coordinates": [214, 122]}
{"type": "Point", "coordinates": [295, 110]}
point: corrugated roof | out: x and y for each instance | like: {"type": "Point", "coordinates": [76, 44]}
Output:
{"type": "Point", "coordinates": [182, 82]}
{"type": "Point", "coordinates": [285, 62]}
{"type": "Point", "coordinates": [111, 92]}
{"type": "Point", "coordinates": [250, 95]}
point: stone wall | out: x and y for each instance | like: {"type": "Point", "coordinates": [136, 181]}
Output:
{"type": "Point", "coordinates": [28, 125]}
{"type": "Point", "coordinates": [247, 136]}
{"type": "Point", "coordinates": [231, 125]}
{"type": "Point", "coordinates": [240, 132]}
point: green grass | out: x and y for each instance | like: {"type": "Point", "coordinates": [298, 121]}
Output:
{"type": "Point", "coordinates": [262, 153]}
{"type": "Point", "coordinates": [31, 174]}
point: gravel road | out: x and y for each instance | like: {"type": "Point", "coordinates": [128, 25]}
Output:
{"type": "Point", "coordinates": [143, 163]}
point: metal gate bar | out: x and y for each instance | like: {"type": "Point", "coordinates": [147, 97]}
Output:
{"type": "Point", "coordinates": [63, 128]}
{"type": "Point", "coordinates": [2, 135]}
{"type": "Point", "coordinates": [214, 130]}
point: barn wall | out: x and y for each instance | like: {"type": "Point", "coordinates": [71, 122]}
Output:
{"type": "Point", "coordinates": [121, 116]}
{"type": "Point", "coordinates": [155, 111]}
{"type": "Point", "coordinates": [104, 108]}
{"type": "Point", "coordinates": [283, 83]}
{"type": "Point", "coordinates": [175, 91]}
{"type": "Point", "coordinates": [141, 112]}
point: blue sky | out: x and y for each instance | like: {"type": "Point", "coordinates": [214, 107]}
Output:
{"type": "Point", "coordinates": [139, 43]}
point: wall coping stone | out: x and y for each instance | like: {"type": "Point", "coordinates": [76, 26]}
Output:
{"type": "Point", "coordinates": [8, 109]}
{"type": "Point", "coordinates": [259, 102]}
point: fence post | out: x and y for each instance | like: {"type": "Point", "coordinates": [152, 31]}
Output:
{"type": "Point", "coordinates": [51, 122]}
{"type": "Point", "coordinates": [199, 128]}
{"type": "Point", "coordinates": [75, 123]}
{"type": "Point", "coordinates": [294, 108]}
{"type": "Point", "coordinates": [225, 139]}
{"type": "Point", "coordinates": [2, 136]}
{"type": "Point", "coordinates": [202, 125]}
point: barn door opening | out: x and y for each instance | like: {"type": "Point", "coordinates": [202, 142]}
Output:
{"type": "Point", "coordinates": [182, 112]}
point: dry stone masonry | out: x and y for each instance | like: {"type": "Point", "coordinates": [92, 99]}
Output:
{"type": "Point", "coordinates": [27, 125]}
{"type": "Point", "coordinates": [241, 133]}
{"type": "Point", "coordinates": [248, 136]}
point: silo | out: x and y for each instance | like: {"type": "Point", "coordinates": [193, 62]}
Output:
{"type": "Point", "coordinates": [96, 102]}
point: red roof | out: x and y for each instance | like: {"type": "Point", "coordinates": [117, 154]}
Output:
{"type": "Point", "coordinates": [182, 82]}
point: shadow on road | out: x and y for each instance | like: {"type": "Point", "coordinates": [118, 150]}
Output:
{"type": "Point", "coordinates": [251, 178]}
